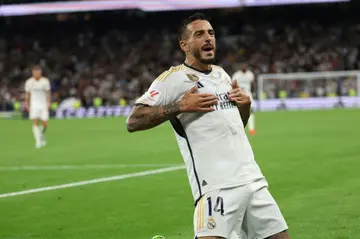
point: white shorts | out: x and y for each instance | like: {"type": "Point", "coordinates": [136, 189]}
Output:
{"type": "Point", "coordinates": [246, 212]}
{"type": "Point", "coordinates": [42, 114]}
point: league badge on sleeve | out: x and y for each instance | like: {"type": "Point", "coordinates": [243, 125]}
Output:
{"type": "Point", "coordinates": [149, 98]}
{"type": "Point", "coordinates": [154, 93]}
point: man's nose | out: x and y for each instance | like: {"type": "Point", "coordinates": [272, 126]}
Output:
{"type": "Point", "coordinates": [208, 39]}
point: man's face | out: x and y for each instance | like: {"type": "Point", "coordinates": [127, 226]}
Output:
{"type": "Point", "coordinates": [36, 73]}
{"type": "Point", "coordinates": [244, 67]}
{"type": "Point", "coordinates": [200, 42]}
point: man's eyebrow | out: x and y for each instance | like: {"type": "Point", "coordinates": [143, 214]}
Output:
{"type": "Point", "coordinates": [202, 30]}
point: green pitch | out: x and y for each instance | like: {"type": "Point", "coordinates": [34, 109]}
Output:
{"type": "Point", "coordinates": [311, 160]}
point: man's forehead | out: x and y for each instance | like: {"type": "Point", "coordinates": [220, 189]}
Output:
{"type": "Point", "coordinates": [199, 25]}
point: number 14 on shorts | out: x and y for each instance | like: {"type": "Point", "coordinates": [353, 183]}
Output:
{"type": "Point", "coordinates": [207, 213]}
{"type": "Point", "coordinates": [219, 206]}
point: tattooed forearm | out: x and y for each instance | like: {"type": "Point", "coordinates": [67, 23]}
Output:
{"type": "Point", "coordinates": [146, 117]}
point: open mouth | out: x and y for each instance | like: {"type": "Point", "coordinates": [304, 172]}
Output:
{"type": "Point", "coordinates": [207, 48]}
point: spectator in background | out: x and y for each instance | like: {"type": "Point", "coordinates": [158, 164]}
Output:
{"type": "Point", "coordinates": [101, 60]}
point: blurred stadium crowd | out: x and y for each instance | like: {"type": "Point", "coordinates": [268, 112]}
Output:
{"type": "Point", "coordinates": [116, 55]}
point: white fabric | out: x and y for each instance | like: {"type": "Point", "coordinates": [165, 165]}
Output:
{"type": "Point", "coordinates": [244, 79]}
{"type": "Point", "coordinates": [215, 147]}
{"type": "Point", "coordinates": [38, 90]}
{"type": "Point", "coordinates": [38, 113]}
{"type": "Point", "coordinates": [246, 212]}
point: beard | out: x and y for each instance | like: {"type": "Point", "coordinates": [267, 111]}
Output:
{"type": "Point", "coordinates": [197, 54]}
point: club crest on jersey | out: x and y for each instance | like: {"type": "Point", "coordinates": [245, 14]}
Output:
{"type": "Point", "coordinates": [211, 224]}
{"type": "Point", "coordinates": [192, 77]}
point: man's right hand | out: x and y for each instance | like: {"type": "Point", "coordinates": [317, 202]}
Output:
{"type": "Point", "coordinates": [197, 102]}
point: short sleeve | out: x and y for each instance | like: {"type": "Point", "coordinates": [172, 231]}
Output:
{"type": "Point", "coordinates": [252, 76]}
{"type": "Point", "coordinates": [234, 76]}
{"type": "Point", "coordinates": [47, 85]}
{"type": "Point", "coordinates": [226, 76]}
{"type": "Point", "coordinates": [27, 86]}
{"type": "Point", "coordinates": [164, 90]}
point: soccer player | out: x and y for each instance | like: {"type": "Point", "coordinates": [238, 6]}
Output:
{"type": "Point", "coordinates": [208, 113]}
{"type": "Point", "coordinates": [245, 78]}
{"type": "Point", "coordinates": [37, 103]}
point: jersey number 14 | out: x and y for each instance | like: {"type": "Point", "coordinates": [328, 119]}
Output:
{"type": "Point", "coordinates": [219, 206]}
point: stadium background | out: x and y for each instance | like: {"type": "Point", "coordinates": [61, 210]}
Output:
{"type": "Point", "coordinates": [97, 59]}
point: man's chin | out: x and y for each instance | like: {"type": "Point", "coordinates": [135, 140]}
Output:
{"type": "Point", "coordinates": [207, 60]}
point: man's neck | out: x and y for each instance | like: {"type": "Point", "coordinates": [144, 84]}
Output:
{"type": "Point", "coordinates": [198, 65]}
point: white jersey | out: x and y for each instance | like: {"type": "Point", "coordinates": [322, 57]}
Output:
{"type": "Point", "coordinates": [38, 90]}
{"type": "Point", "coordinates": [244, 79]}
{"type": "Point", "coordinates": [214, 145]}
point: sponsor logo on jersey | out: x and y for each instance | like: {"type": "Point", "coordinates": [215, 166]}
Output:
{"type": "Point", "coordinates": [224, 102]}
{"type": "Point", "coordinates": [211, 224]}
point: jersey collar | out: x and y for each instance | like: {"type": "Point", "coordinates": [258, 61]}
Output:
{"type": "Point", "coordinates": [204, 72]}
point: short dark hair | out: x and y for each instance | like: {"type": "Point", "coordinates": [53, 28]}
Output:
{"type": "Point", "coordinates": [183, 27]}
{"type": "Point", "coordinates": [36, 67]}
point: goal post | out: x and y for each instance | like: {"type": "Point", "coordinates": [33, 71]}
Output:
{"type": "Point", "coordinates": [310, 90]}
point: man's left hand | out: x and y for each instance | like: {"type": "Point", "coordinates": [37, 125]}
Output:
{"type": "Point", "coordinates": [239, 96]}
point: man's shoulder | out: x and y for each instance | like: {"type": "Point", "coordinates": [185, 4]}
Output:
{"type": "Point", "coordinates": [174, 73]}
{"type": "Point", "coordinates": [29, 79]}
{"type": "Point", "coordinates": [249, 72]}
{"type": "Point", "coordinates": [219, 71]}
{"type": "Point", "coordinates": [45, 79]}
{"type": "Point", "coordinates": [217, 68]}
{"type": "Point", "coordinates": [239, 72]}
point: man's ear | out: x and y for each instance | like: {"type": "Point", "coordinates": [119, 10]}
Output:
{"type": "Point", "coordinates": [184, 45]}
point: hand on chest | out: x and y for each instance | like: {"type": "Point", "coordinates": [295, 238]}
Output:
{"type": "Point", "coordinates": [225, 115]}
{"type": "Point", "coordinates": [218, 87]}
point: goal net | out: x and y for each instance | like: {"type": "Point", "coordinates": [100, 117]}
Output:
{"type": "Point", "coordinates": [313, 90]}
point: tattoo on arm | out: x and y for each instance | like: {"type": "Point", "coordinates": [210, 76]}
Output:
{"type": "Point", "coordinates": [145, 117]}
